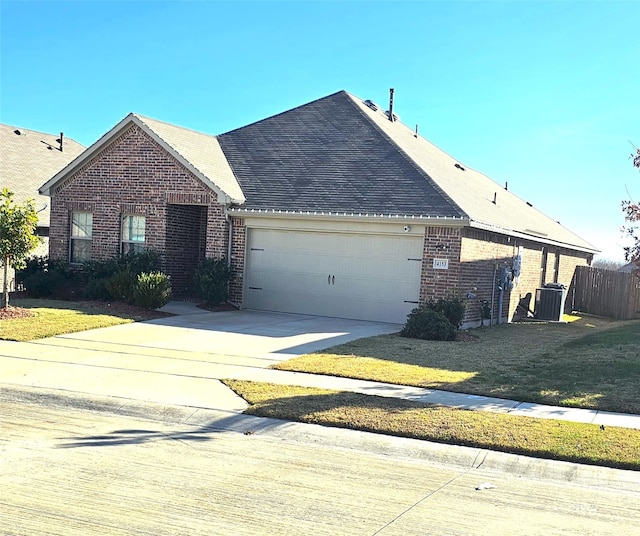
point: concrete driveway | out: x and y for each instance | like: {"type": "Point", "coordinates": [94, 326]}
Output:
{"type": "Point", "coordinates": [176, 360]}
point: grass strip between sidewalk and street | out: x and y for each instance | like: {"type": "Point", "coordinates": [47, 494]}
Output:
{"type": "Point", "coordinates": [542, 438]}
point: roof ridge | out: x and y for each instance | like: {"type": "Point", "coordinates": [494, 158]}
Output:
{"type": "Point", "coordinates": [41, 132]}
{"type": "Point", "coordinates": [284, 112]}
{"type": "Point", "coordinates": [145, 118]}
{"type": "Point", "coordinates": [404, 154]}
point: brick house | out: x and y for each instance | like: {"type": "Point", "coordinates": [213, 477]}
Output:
{"type": "Point", "coordinates": [330, 208]}
{"type": "Point", "coordinates": [28, 158]}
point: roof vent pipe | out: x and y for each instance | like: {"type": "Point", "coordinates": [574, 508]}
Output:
{"type": "Point", "coordinates": [416, 134]}
{"type": "Point", "coordinates": [59, 140]}
{"type": "Point", "coordinates": [495, 197]}
{"type": "Point", "coordinates": [391, 105]}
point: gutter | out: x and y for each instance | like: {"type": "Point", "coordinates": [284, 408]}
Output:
{"type": "Point", "coordinates": [533, 237]}
{"type": "Point", "coordinates": [349, 216]}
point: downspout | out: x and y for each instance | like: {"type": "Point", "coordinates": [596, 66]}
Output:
{"type": "Point", "coordinates": [500, 302]}
{"type": "Point", "coordinates": [229, 220]}
{"type": "Point", "coordinates": [493, 291]}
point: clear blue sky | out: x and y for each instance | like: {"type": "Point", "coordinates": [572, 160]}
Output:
{"type": "Point", "coordinates": [544, 95]}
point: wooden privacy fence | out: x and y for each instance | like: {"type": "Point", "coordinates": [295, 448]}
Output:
{"type": "Point", "coordinates": [605, 293]}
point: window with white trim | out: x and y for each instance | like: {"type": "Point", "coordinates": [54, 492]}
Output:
{"type": "Point", "coordinates": [81, 237]}
{"type": "Point", "coordinates": [133, 234]}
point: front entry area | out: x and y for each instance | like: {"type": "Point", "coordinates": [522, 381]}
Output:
{"type": "Point", "coordinates": [185, 245]}
{"type": "Point", "coordinates": [358, 276]}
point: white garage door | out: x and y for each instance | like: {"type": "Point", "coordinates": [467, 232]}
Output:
{"type": "Point", "coordinates": [367, 277]}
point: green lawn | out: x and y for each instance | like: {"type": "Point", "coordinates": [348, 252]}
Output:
{"type": "Point", "coordinates": [589, 363]}
{"type": "Point", "coordinates": [559, 440]}
{"type": "Point", "coordinates": [54, 317]}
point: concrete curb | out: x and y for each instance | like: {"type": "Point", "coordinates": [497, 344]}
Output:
{"type": "Point", "coordinates": [206, 421]}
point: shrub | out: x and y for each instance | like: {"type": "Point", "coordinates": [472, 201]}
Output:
{"type": "Point", "coordinates": [115, 279]}
{"type": "Point", "coordinates": [147, 261]}
{"type": "Point", "coordinates": [44, 278]}
{"type": "Point", "coordinates": [452, 308]}
{"type": "Point", "coordinates": [152, 290]}
{"type": "Point", "coordinates": [211, 280]}
{"type": "Point", "coordinates": [121, 286]}
{"type": "Point", "coordinates": [96, 289]}
{"type": "Point", "coordinates": [426, 323]}
{"type": "Point", "coordinates": [33, 265]}
{"type": "Point", "coordinates": [136, 263]}
{"type": "Point", "coordinates": [44, 284]}
{"type": "Point", "coordinates": [102, 269]}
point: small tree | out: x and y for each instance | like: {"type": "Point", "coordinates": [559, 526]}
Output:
{"type": "Point", "coordinates": [632, 215]}
{"type": "Point", "coordinates": [18, 224]}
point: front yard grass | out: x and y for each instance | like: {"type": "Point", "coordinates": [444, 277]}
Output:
{"type": "Point", "coordinates": [589, 363]}
{"type": "Point", "coordinates": [54, 317]}
{"type": "Point", "coordinates": [542, 438]}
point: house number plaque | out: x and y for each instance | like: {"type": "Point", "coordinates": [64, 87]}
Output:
{"type": "Point", "coordinates": [440, 264]}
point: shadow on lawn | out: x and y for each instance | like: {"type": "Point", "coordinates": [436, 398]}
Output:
{"type": "Point", "coordinates": [544, 364]}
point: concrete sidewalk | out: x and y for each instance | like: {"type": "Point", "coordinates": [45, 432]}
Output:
{"type": "Point", "coordinates": [179, 361]}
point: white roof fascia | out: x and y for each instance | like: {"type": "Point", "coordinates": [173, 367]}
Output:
{"type": "Point", "coordinates": [532, 236]}
{"type": "Point", "coordinates": [107, 138]}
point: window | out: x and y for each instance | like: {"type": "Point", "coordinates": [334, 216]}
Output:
{"type": "Point", "coordinates": [81, 236]}
{"type": "Point", "coordinates": [133, 234]}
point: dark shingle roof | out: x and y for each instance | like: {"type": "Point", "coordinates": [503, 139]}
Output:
{"type": "Point", "coordinates": [28, 159]}
{"type": "Point", "coordinates": [338, 155]}
{"type": "Point", "coordinates": [328, 156]}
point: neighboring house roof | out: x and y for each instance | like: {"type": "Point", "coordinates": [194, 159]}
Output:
{"type": "Point", "coordinates": [339, 155]}
{"type": "Point", "coordinates": [28, 158]}
{"type": "Point", "coordinates": [628, 268]}
{"type": "Point", "coordinates": [198, 152]}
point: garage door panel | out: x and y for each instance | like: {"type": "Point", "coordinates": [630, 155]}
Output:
{"type": "Point", "coordinates": [368, 277]}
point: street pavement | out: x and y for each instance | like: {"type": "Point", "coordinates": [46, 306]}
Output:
{"type": "Point", "coordinates": [101, 466]}
{"type": "Point", "coordinates": [127, 430]}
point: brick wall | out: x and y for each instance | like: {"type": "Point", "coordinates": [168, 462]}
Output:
{"type": "Point", "coordinates": [440, 243]}
{"type": "Point", "coordinates": [237, 260]}
{"type": "Point", "coordinates": [133, 175]}
{"type": "Point", "coordinates": [483, 254]}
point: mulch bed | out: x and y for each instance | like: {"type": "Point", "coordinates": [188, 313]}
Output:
{"type": "Point", "coordinates": [14, 312]}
